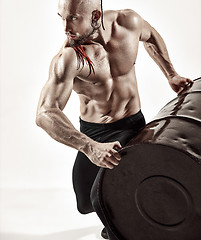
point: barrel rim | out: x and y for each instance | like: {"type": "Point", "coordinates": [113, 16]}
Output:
{"type": "Point", "coordinates": [183, 95]}
{"type": "Point", "coordinates": [197, 160]}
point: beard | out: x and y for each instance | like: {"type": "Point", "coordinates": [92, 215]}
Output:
{"type": "Point", "coordinates": [82, 39]}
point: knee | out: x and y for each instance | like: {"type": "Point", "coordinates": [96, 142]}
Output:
{"type": "Point", "coordinates": [84, 208]}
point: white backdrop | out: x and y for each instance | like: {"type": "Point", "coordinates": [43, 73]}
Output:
{"type": "Point", "coordinates": [31, 34]}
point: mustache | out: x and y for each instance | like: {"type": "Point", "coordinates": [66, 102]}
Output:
{"type": "Point", "coordinates": [82, 39]}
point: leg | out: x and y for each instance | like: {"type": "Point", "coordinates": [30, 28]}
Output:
{"type": "Point", "coordinates": [84, 174]}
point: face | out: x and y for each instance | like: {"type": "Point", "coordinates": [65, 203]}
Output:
{"type": "Point", "coordinates": [79, 24]}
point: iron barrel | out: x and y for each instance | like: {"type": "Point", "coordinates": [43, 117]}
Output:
{"type": "Point", "coordinates": [155, 192]}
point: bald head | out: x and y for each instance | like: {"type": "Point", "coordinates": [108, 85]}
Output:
{"type": "Point", "coordinates": [81, 19]}
{"type": "Point", "coordinates": [80, 6]}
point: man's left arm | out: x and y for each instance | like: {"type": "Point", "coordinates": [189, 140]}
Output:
{"type": "Point", "coordinates": [155, 46]}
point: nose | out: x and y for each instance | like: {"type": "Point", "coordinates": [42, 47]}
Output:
{"type": "Point", "coordinates": [67, 27]}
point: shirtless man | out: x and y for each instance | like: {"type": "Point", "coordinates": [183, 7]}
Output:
{"type": "Point", "coordinates": [99, 65]}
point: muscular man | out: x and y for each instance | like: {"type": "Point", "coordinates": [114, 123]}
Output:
{"type": "Point", "coordinates": [99, 65]}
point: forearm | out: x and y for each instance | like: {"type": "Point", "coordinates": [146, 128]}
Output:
{"type": "Point", "coordinates": [59, 127]}
{"type": "Point", "coordinates": [156, 48]}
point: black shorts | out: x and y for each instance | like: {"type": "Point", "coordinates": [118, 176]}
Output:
{"type": "Point", "coordinates": [84, 171]}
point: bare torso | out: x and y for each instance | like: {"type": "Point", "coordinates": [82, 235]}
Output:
{"type": "Point", "coordinates": [112, 93]}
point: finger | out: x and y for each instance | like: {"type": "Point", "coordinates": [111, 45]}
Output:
{"type": "Point", "coordinates": [102, 164]}
{"type": "Point", "coordinates": [179, 92]}
{"type": "Point", "coordinates": [113, 160]}
{"type": "Point", "coordinates": [108, 154]}
{"type": "Point", "coordinates": [190, 84]}
{"type": "Point", "coordinates": [115, 154]}
{"type": "Point", "coordinates": [117, 145]}
{"type": "Point", "coordinates": [183, 83]}
{"type": "Point", "coordinates": [189, 80]}
{"type": "Point", "coordinates": [110, 162]}
{"type": "Point", "coordinates": [185, 87]}
{"type": "Point", "coordinates": [109, 165]}
{"type": "Point", "coordinates": [183, 90]}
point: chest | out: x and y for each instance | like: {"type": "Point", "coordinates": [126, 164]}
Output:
{"type": "Point", "coordinates": [112, 67]}
{"type": "Point", "coordinates": [116, 58]}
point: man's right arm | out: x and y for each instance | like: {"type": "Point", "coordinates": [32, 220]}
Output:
{"type": "Point", "coordinates": [53, 98]}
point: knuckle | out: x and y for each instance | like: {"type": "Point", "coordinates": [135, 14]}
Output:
{"type": "Point", "coordinates": [103, 160]}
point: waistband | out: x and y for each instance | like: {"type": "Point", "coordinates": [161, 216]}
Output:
{"type": "Point", "coordinates": [124, 123]}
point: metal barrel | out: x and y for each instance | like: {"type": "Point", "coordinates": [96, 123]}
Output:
{"type": "Point", "coordinates": [155, 192]}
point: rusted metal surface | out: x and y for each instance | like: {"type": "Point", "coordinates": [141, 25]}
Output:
{"type": "Point", "coordinates": [155, 192]}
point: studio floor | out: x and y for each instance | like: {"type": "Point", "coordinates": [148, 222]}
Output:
{"type": "Point", "coordinates": [44, 214]}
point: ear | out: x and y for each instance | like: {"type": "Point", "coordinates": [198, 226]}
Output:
{"type": "Point", "coordinates": [96, 14]}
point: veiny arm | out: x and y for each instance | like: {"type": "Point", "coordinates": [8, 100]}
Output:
{"type": "Point", "coordinates": [156, 48]}
{"type": "Point", "coordinates": [50, 117]}
{"type": "Point", "coordinates": [53, 99]}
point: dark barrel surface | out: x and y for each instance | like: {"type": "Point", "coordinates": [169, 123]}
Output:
{"type": "Point", "coordinates": [155, 192]}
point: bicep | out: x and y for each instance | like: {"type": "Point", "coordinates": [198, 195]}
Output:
{"type": "Point", "coordinates": [146, 31]}
{"type": "Point", "coordinates": [151, 38]}
{"type": "Point", "coordinates": [55, 95]}
{"type": "Point", "coordinates": [58, 88]}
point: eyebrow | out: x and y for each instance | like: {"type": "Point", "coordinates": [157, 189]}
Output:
{"type": "Point", "coordinates": [76, 15]}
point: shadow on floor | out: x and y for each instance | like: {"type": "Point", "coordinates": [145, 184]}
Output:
{"type": "Point", "coordinates": [93, 233]}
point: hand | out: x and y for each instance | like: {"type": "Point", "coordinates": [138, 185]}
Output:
{"type": "Point", "coordinates": [105, 154]}
{"type": "Point", "coordinates": [180, 84]}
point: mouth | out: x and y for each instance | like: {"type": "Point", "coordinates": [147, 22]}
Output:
{"type": "Point", "coordinates": [71, 36]}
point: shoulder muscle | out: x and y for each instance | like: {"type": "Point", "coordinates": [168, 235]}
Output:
{"type": "Point", "coordinates": [129, 19]}
{"type": "Point", "coordinates": [63, 65]}
{"type": "Point", "coordinates": [134, 22]}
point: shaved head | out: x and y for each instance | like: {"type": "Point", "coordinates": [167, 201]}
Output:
{"type": "Point", "coordinates": [81, 19]}
{"type": "Point", "coordinates": [85, 6]}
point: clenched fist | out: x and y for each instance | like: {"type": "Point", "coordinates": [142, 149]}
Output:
{"type": "Point", "coordinates": [105, 154]}
{"type": "Point", "coordinates": [180, 84]}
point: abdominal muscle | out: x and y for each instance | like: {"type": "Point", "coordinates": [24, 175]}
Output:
{"type": "Point", "coordinates": [110, 100]}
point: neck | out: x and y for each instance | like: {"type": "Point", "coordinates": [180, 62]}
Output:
{"type": "Point", "coordinates": [102, 36]}
{"type": "Point", "coordinates": [98, 37]}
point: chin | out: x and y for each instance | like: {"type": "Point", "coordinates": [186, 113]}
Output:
{"type": "Point", "coordinates": [77, 42]}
